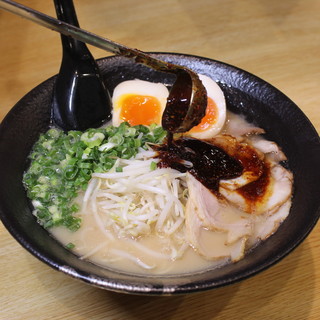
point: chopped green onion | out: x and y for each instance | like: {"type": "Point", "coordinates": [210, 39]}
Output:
{"type": "Point", "coordinates": [70, 246]}
{"type": "Point", "coordinates": [92, 139]}
{"type": "Point", "coordinates": [62, 165]}
{"type": "Point", "coordinates": [117, 139]}
{"type": "Point", "coordinates": [153, 166]}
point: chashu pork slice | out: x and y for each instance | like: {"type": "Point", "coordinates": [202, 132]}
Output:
{"type": "Point", "coordinates": [270, 191]}
{"type": "Point", "coordinates": [239, 127]}
{"type": "Point", "coordinates": [269, 148]}
{"type": "Point", "coordinates": [250, 158]}
{"type": "Point", "coordinates": [215, 215]}
{"type": "Point", "coordinates": [268, 223]}
{"type": "Point", "coordinates": [212, 245]}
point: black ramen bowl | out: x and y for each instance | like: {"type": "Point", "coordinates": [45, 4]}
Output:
{"type": "Point", "coordinates": [246, 94]}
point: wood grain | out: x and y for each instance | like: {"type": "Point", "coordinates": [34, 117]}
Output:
{"type": "Point", "coordinates": [278, 41]}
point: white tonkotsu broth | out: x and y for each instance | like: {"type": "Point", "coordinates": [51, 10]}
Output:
{"type": "Point", "coordinates": [165, 222]}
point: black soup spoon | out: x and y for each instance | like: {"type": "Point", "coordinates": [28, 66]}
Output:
{"type": "Point", "coordinates": [80, 98]}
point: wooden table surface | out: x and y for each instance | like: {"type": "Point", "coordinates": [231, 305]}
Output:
{"type": "Point", "coordinates": [278, 41]}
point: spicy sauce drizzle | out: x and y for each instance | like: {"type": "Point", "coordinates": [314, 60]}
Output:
{"type": "Point", "coordinates": [207, 162]}
{"type": "Point", "coordinates": [210, 163]}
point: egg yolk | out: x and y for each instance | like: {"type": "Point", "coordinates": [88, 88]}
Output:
{"type": "Point", "coordinates": [140, 109]}
{"type": "Point", "coordinates": [209, 119]}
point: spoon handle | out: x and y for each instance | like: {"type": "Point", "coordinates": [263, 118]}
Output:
{"type": "Point", "coordinates": [66, 12]}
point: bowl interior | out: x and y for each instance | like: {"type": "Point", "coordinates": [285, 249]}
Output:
{"type": "Point", "coordinates": [246, 94]}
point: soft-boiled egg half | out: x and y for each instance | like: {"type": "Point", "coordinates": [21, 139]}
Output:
{"type": "Point", "coordinates": [139, 102]}
{"type": "Point", "coordinates": [215, 117]}
{"type": "Point", "coordinates": [143, 102]}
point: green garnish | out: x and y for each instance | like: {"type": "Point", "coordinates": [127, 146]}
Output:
{"type": "Point", "coordinates": [62, 165]}
{"type": "Point", "coordinates": [70, 246]}
{"type": "Point", "coordinates": [153, 166]}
